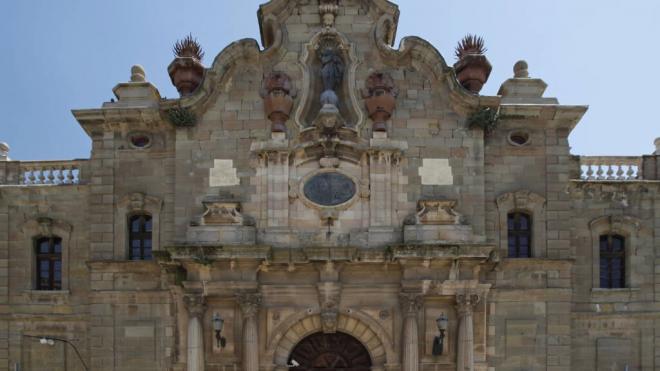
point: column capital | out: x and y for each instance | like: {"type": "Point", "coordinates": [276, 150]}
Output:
{"type": "Point", "coordinates": [411, 302]}
{"type": "Point", "coordinates": [249, 303]}
{"type": "Point", "coordinates": [196, 304]}
{"type": "Point", "coordinates": [466, 301]}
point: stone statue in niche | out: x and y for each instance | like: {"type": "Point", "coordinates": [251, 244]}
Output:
{"type": "Point", "coordinates": [332, 73]}
{"type": "Point", "coordinates": [277, 93]}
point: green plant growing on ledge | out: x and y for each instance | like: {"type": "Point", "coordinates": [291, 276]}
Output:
{"type": "Point", "coordinates": [181, 117]}
{"type": "Point", "coordinates": [484, 119]}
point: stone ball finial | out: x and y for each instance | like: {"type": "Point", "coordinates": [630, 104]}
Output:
{"type": "Point", "coordinates": [520, 69]}
{"type": "Point", "coordinates": [657, 146]}
{"type": "Point", "coordinates": [138, 74]}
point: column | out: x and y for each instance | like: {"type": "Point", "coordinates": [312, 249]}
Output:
{"type": "Point", "coordinates": [196, 305]}
{"type": "Point", "coordinates": [411, 303]}
{"type": "Point", "coordinates": [250, 303]}
{"type": "Point", "coordinates": [464, 306]}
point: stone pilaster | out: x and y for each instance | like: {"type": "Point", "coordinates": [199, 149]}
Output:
{"type": "Point", "coordinates": [465, 303]}
{"type": "Point", "coordinates": [278, 189]}
{"type": "Point", "coordinates": [411, 303]}
{"type": "Point", "coordinates": [250, 303]}
{"type": "Point", "coordinates": [196, 305]}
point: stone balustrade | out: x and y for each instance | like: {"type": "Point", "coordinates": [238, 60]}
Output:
{"type": "Point", "coordinates": [611, 168]}
{"type": "Point", "coordinates": [49, 172]}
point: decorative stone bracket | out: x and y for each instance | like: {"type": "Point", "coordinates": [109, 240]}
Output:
{"type": "Point", "coordinates": [437, 212]}
{"type": "Point", "coordinates": [221, 212]}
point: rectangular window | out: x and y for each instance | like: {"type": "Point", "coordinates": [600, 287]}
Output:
{"type": "Point", "coordinates": [519, 235]}
{"type": "Point", "coordinates": [49, 263]}
{"type": "Point", "coordinates": [140, 229]}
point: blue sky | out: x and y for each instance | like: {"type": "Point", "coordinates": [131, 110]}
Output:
{"type": "Point", "coordinates": [69, 54]}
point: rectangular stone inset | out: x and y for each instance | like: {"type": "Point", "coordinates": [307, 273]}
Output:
{"type": "Point", "coordinates": [223, 174]}
{"type": "Point", "coordinates": [139, 331]}
{"type": "Point", "coordinates": [436, 171]}
{"type": "Point", "coordinates": [520, 338]}
{"type": "Point", "coordinates": [614, 354]}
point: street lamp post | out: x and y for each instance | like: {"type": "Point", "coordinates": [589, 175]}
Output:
{"type": "Point", "coordinates": [45, 340]}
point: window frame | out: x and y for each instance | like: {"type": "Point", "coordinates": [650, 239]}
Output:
{"type": "Point", "coordinates": [140, 235]}
{"type": "Point", "coordinates": [132, 204]}
{"type": "Point", "coordinates": [533, 205]}
{"type": "Point", "coordinates": [44, 227]}
{"type": "Point", "coordinates": [52, 257]}
{"type": "Point", "coordinates": [627, 227]}
{"type": "Point", "coordinates": [519, 233]}
{"type": "Point", "coordinates": [611, 255]}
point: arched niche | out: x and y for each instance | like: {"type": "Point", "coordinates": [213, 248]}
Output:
{"type": "Point", "coordinates": [312, 85]}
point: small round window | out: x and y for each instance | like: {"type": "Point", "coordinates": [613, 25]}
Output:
{"type": "Point", "coordinates": [518, 138]}
{"type": "Point", "coordinates": [139, 140]}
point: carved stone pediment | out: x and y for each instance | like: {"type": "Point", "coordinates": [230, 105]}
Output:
{"type": "Point", "coordinates": [437, 212]}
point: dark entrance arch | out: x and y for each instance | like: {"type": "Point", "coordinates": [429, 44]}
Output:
{"type": "Point", "coordinates": [324, 352]}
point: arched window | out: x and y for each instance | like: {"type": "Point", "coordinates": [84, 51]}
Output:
{"type": "Point", "coordinates": [139, 237]}
{"type": "Point", "coordinates": [612, 261]}
{"type": "Point", "coordinates": [519, 228]}
{"type": "Point", "coordinates": [49, 263]}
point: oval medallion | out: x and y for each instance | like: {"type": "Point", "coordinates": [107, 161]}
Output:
{"type": "Point", "coordinates": [329, 189]}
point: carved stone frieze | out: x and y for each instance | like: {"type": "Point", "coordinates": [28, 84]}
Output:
{"type": "Point", "coordinates": [520, 199]}
{"type": "Point", "coordinates": [621, 194]}
{"type": "Point", "coordinates": [437, 212]}
{"type": "Point", "coordinates": [222, 212]}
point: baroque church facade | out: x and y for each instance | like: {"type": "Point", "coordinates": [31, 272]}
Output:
{"type": "Point", "coordinates": [329, 201]}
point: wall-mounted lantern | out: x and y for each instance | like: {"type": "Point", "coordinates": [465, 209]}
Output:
{"type": "Point", "coordinates": [438, 342]}
{"type": "Point", "coordinates": [218, 324]}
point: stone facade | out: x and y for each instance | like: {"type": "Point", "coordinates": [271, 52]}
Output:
{"type": "Point", "coordinates": [330, 183]}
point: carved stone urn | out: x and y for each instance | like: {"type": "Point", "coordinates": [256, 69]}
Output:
{"type": "Point", "coordinates": [276, 92]}
{"type": "Point", "coordinates": [472, 68]}
{"type": "Point", "coordinates": [186, 74]}
{"type": "Point", "coordinates": [186, 70]}
{"type": "Point", "coordinates": [380, 99]}
{"type": "Point", "coordinates": [472, 71]}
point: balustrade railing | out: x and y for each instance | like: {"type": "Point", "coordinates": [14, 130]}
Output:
{"type": "Point", "coordinates": [49, 172]}
{"type": "Point", "coordinates": [610, 168]}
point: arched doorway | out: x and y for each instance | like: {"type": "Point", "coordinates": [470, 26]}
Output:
{"type": "Point", "coordinates": [324, 352]}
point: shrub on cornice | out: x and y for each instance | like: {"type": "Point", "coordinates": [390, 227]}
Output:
{"type": "Point", "coordinates": [181, 117]}
{"type": "Point", "coordinates": [484, 119]}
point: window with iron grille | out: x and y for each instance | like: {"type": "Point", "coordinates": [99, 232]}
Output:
{"type": "Point", "coordinates": [612, 261]}
{"type": "Point", "coordinates": [49, 263]}
{"type": "Point", "coordinates": [519, 228]}
{"type": "Point", "coordinates": [139, 237]}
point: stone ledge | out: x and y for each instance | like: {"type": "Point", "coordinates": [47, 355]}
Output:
{"type": "Point", "coordinates": [122, 266]}
{"type": "Point", "coordinates": [47, 296]}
